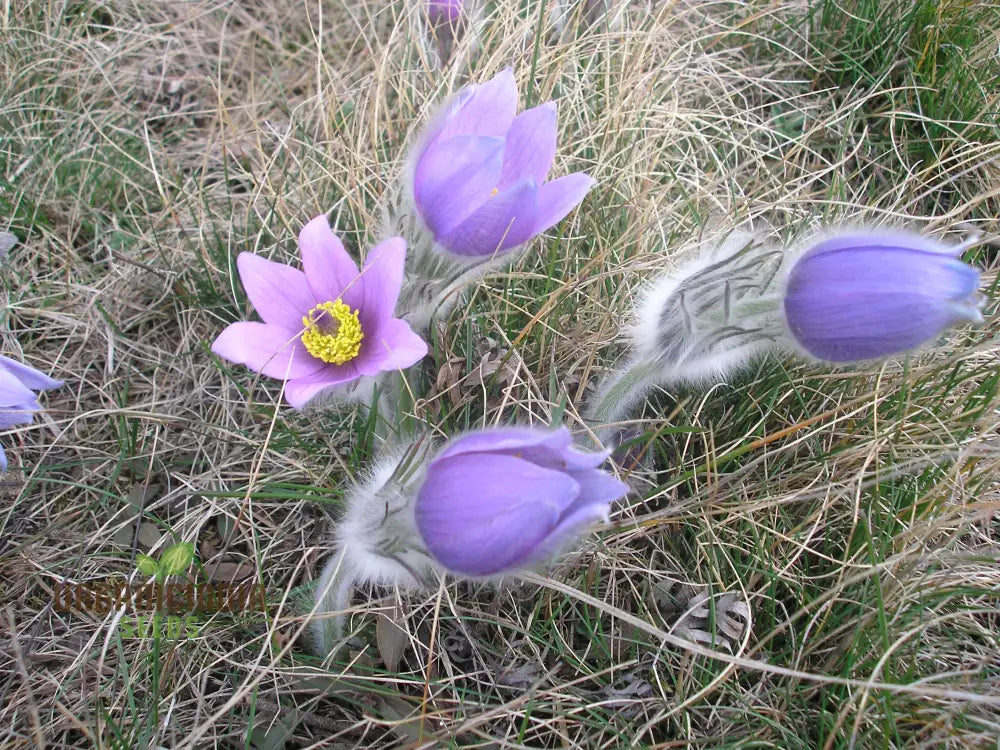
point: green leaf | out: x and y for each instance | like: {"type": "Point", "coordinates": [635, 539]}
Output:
{"type": "Point", "coordinates": [175, 560]}
{"type": "Point", "coordinates": [146, 565]}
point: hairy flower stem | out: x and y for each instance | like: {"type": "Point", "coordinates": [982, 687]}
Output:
{"type": "Point", "coordinates": [434, 278]}
{"type": "Point", "coordinates": [621, 391]}
{"type": "Point", "coordinates": [333, 598]}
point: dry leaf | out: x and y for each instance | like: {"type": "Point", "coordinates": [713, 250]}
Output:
{"type": "Point", "coordinates": [391, 638]}
{"type": "Point", "coordinates": [231, 571]}
{"type": "Point", "coordinates": [149, 534]}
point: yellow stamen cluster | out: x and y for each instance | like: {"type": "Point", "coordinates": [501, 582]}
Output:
{"type": "Point", "coordinates": [333, 332]}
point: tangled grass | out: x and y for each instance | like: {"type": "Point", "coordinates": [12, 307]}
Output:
{"type": "Point", "coordinates": [810, 562]}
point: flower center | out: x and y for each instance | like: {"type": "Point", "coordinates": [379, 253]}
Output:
{"type": "Point", "coordinates": [333, 332]}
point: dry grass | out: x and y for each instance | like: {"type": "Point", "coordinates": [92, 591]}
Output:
{"type": "Point", "coordinates": [145, 144]}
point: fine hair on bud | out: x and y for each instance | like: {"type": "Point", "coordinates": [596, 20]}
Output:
{"type": "Point", "coordinates": [376, 541]}
{"type": "Point", "coordinates": [713, 313]}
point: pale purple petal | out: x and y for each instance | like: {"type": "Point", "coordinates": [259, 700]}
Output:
{"type": "Point", "coordinates": [573, 459]}
{"type": "Point", "coordinates": [598, 487]}
{"type": "Point", "coordinates": [3, 460]}
{"type": "Point", "coordinates": [12, 390]}
{"type": "Point", "coordinates": [382, 277]}
{"type": "Point", "coordinates": [454, 178]}
{"type": "Point", "coordinates": [483, 109]}
{"type": "Point", "coordinates": [884, 238]}
{"type": "Point", "coordinates": [514, 506]}
{"type": "Point", "coordinates": [572, 524]}
{"type": "Point", "coordinates": [531, 145]}
{"type": "Point", "coordinates": [16, 414]}
{"type": "Point", "coordinates": [560, 196]}
{"type": "Point", "coordinates": [29, 376]}
{"type": "Point", "coordinates": [503, 222]}
{"type": "Point", "coordinates": [330, 272]}
{"type": "Point", "coordinates": [300, 391]}
{"type": "Point", "coordinates": [508, 440]}
{"type": "Point", "coordinates": [550, 449]}
{"type": "Point", "coordinates": [441, 12]}
{"type": "Point", "coordinates": [267, 349]}
{"type": "Point", "coordinates": [393, 346]}
{"type": "Point", "coordinates": [279, 293]}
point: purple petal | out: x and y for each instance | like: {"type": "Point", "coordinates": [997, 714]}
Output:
{"type": "Point", "coordinates": [887, 239]}
{"type": "Point", "coordinates": [863, 302]}
{"type": "Point", "coordinates": [441, 12]}
{"type": "Point", "coordinates": [330, 272]}
{"type": "Point", "coordinates": [3, 460]}
{"type": "Point", "coordinates": [29, 376]}
{"type": "Point", "coordinates": [531, 145]}
{"type": "Point", "coordinates": [484, 109]}
{"type": "Point", "coordinates": [18, 413]}
{"type": "Point", "coordinates": [279, 293]}
{"type": "Point", "coordinates": [267, 349]}
{"type": "Point", "coordinates": [393, 346]}
{"type": "Point", "coordinates": [560, 196]}
{"type": "Point", "coordinates": [382, 277]}
{"type": "Point", "coordinates": [570, 527]}
{"type": "Point", "coordinates": [548, 449]}
{"type": "Point", "coordinates": [12, 390]}
{"type": "Point", "coordinates": [509, 440]}
{"type": "Point", "coordinates": [482, 514]}
{"type": "Point", "coordinates": [300, 391]}
{"type": "Point", "coordinates": [598, 488]}
{"type": "Point", "coordinates": [454, 178]}
{"type": "Point", "coordinates": [503, 222]}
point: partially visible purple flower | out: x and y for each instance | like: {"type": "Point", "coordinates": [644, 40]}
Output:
{"type": "Point", "coordinates": [18, 402]}
{"type": "Point", "coordinates": [508, 498]}
{"type": "Point", "coordinates": [861, 295]}
{"type": "Point", "coordinates": [326, 325]}
{"type": "Point", "coordinates": [443, 12]}
{"type": "Point", "coordinates": [479, 175]}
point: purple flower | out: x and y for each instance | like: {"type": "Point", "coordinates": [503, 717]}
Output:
{"type": "Point", "coordinates": [326, 325]}
{"type": "Point", "coordinates": [443, 12]}
{"type": "Point", "coordinates": [861, 295]}
{"type": "Point", "coordinates": [508, 498]}
{"type": "Point", "coordinates": [479, 172]}
{"type": "Point", "coordinates": [18, 402]}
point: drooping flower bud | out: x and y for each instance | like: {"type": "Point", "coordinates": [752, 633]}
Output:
{"type": "Point", "coordinates": [489, 503]}
{"type": "Point", "coordinates": [854, 295]}
{"type": "Point", "coordinates": [863, 295]}
{"type": "Point", "coordinates": [504, 499]}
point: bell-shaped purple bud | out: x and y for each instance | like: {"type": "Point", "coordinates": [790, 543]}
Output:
{"type": "Point", "coordinates": [479, 172]}
{"type": "Point", "coordinates": [508, 498]}
{"type": "Point", "coordinates": [862, 295]}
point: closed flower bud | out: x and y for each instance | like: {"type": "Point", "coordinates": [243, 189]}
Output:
{"type": "Point", "coordinates": [503, 499]}
{"type": "Point", "coordinates": [488, 503]}
{"type": "Point", "coordinates": [862, 295]}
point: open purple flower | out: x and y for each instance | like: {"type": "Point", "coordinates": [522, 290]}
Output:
{"type": "Point", "coordinates": [18, 402]}
{"type": "Point", "coordinates": [861, 295]}
{"type": "Point", "coordinates": [326, 325]}
{"type": "Point", "coordinates": [508, 498]}
{"type": "Point", "coordinates": [479, 176]}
